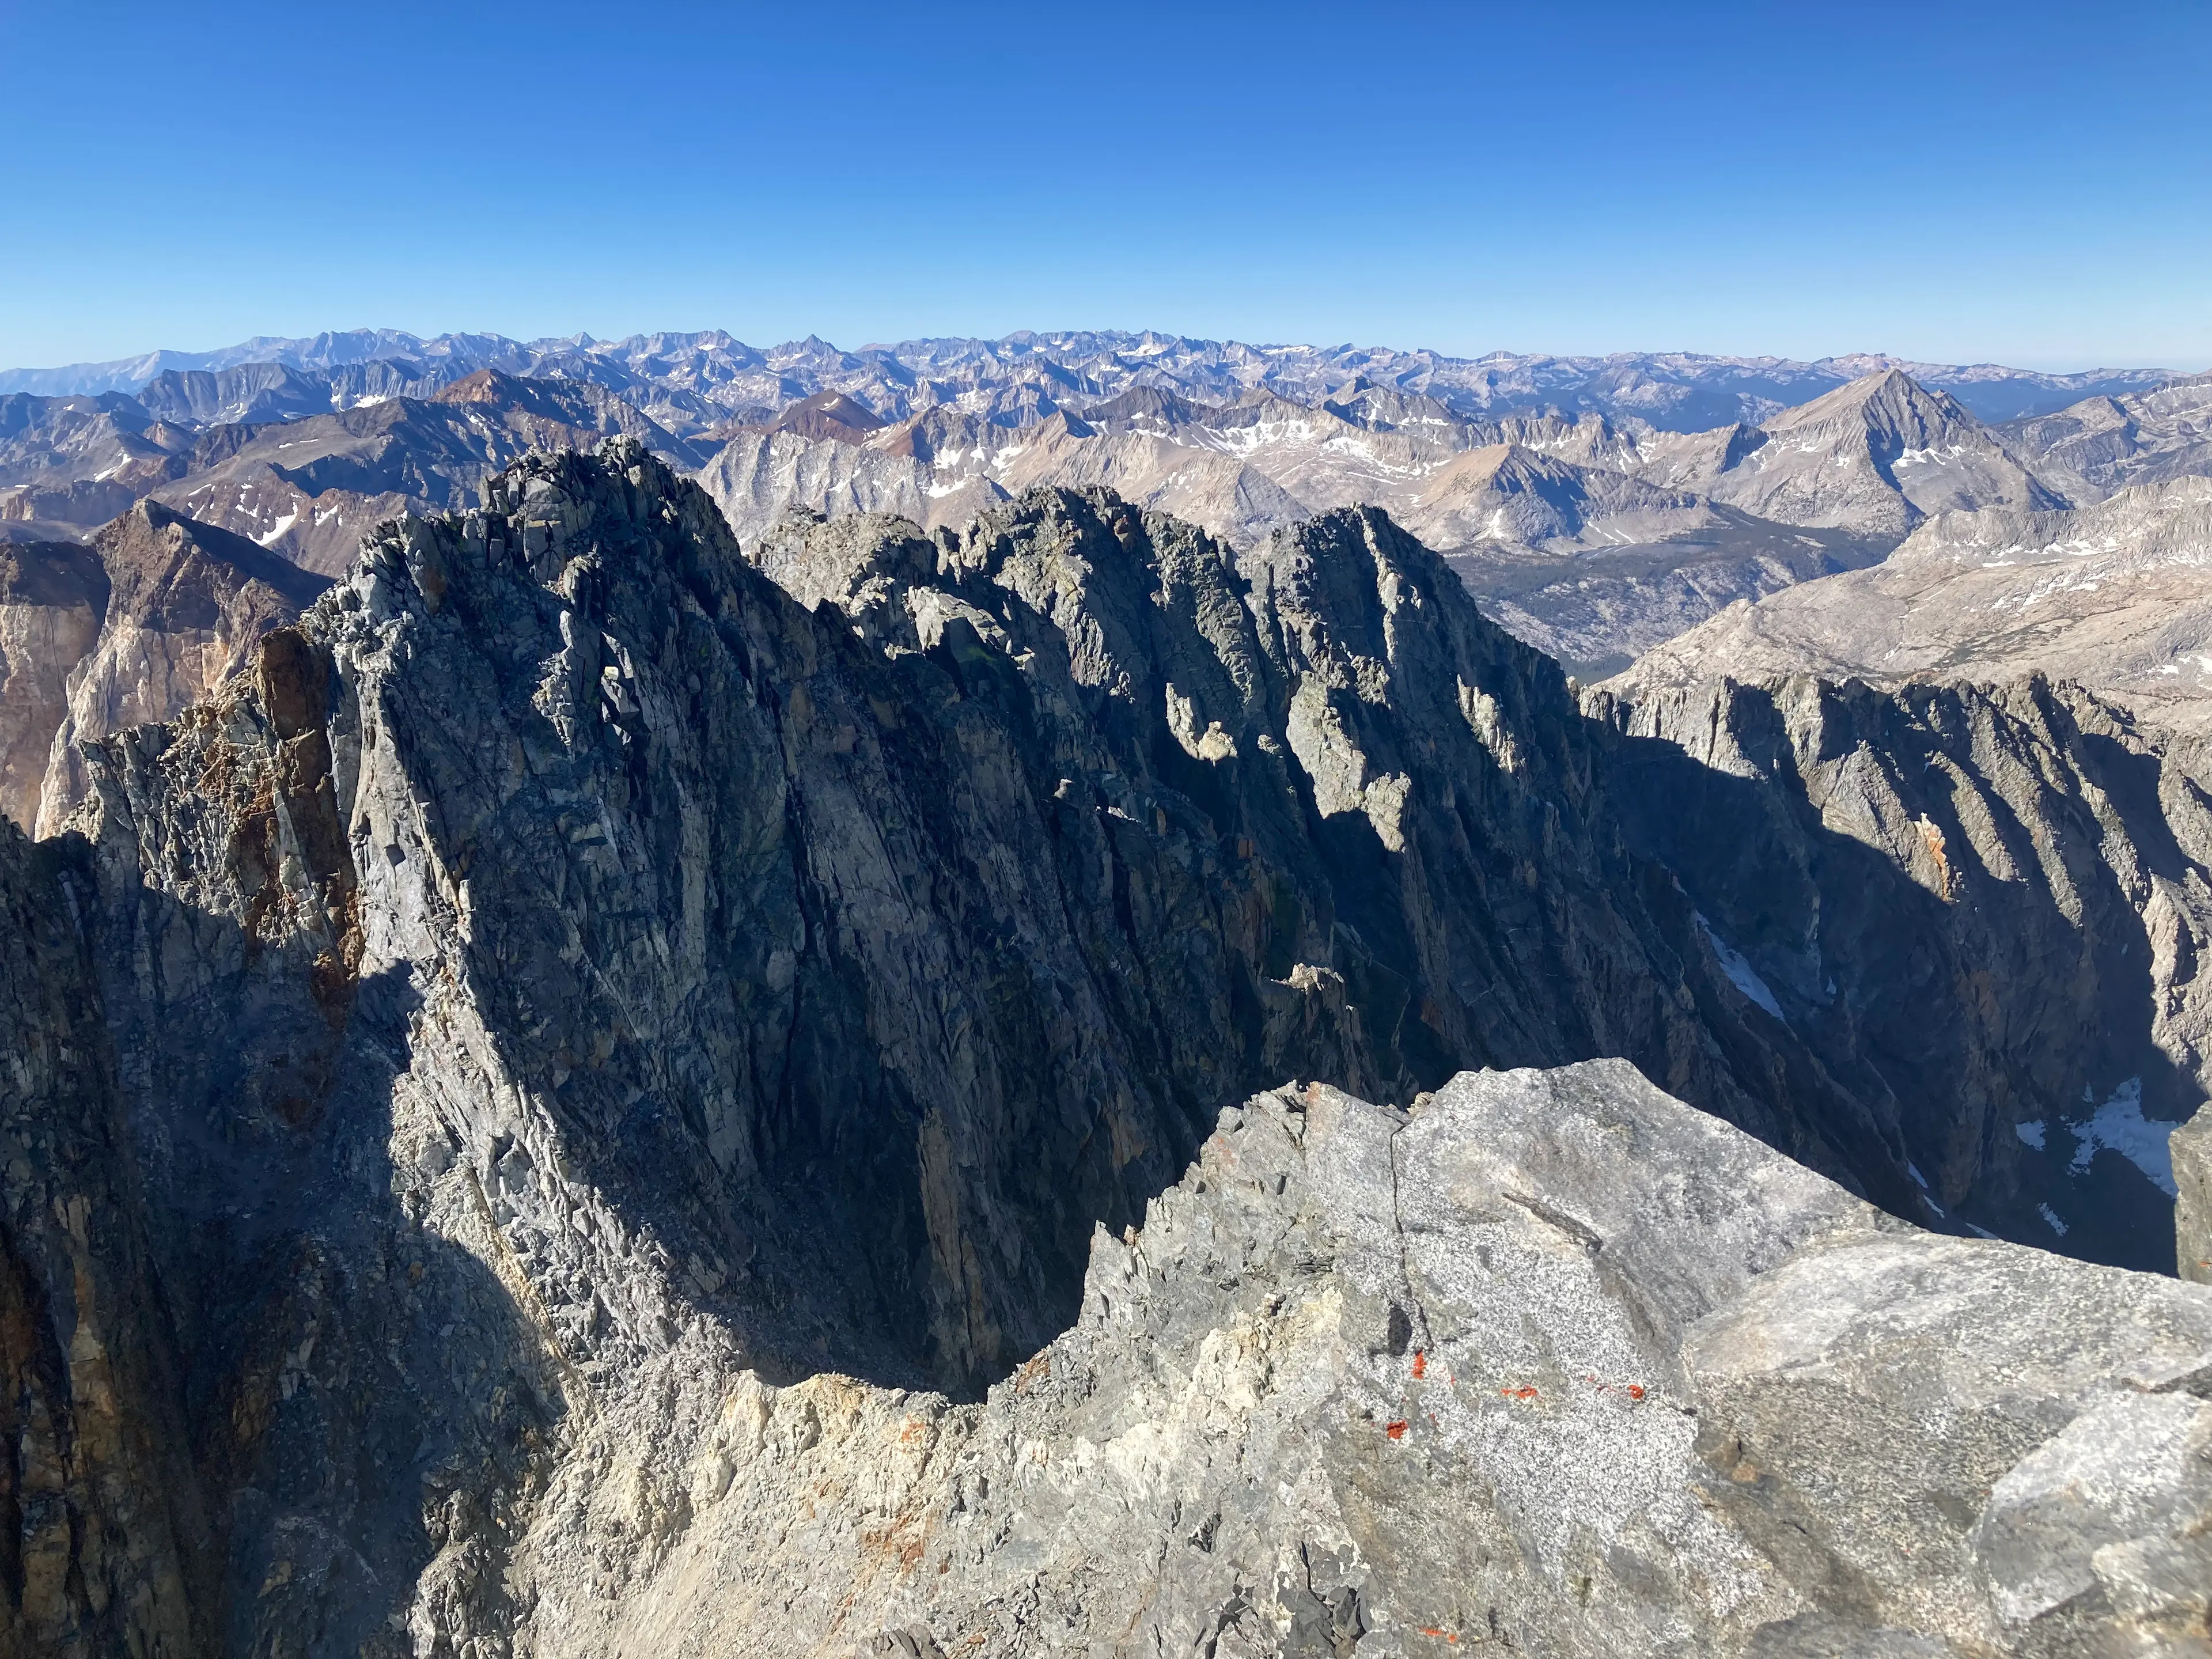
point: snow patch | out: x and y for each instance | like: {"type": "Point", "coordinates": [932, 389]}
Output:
{"type": "Point", "coordinates": [2051, 1216]}
{"type": "Point", "coordinates": [2120, 1126]}
{"type": "Point", "coordinates": [2031, 1132]}
{"type": "Point", "coordinates": [1927, 1193]}
{"type": "Point", "coordinates": [1739, 970]}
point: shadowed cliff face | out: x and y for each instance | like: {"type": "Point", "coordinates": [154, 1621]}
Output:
{"type": "Point", "coordinates": [1983, 910]}
{"type": "Point", "coordinates": [103, 1547]}
{"type": "Point", "coordinates": [867, 971]}
{"type": "Point", "coordinates": [570, 968]}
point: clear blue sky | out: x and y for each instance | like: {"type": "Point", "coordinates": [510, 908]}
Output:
{"type": "Point", "coordinates": [2023, 183]}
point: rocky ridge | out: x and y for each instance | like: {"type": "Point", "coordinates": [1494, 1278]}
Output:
{"type": "Point", "coordinates": [67, 463]}
{"type": "Point", "coordinates": [1593, 539]}
{"type": "Point", "coordinates": [2113, 595]}
{"type": "Point", "coordinates": [187, 605]}
{"type": "Point", "coordinates": [1872, 459]}
{"type": "Point", "coordinates": [1877, 456]}
{"type": "Point", "coordinates": [1555, 1364]}
{"type": "Point", "coordinates": [1591, 506]}
{"type": "Point", "coordinates": [310, 489]}
{"type": "Point", "coordinates": [2090, 449]}
{"type": "Point", "coordinates": [783, 977]}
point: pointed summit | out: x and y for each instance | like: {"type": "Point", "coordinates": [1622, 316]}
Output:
{"type": "Point", "coordinates": [1878, 455]}
{"type": "Point", "coordinates": [1889, 404]}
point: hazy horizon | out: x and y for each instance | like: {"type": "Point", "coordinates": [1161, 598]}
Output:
{"type": "Point", "coordinates": [2175, 363]}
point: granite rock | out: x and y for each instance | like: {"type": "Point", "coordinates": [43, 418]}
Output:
{"type": "Point", "coordinates": [602, 1081]}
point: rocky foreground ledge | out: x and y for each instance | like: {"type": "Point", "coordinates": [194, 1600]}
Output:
{"type": "Point", "coordinates": [1553, 1364]}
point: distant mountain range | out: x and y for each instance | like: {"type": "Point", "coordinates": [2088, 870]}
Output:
{"type": "Point", "coordinates": [1597, 507]}
{"type": "Point", "coordinates": [1027, 376]}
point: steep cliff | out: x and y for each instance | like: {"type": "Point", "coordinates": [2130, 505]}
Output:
{"type": "Point", "coordinates": [571, 995]}
{"type": "Point", "coordinates": [104, 1546]}
{"type": "Point", "coordinates": [185, 606]}
{"type": "Point", "coordinates": [2028, 1005]}
{"type": "Point", "coordinates": [53, 596]}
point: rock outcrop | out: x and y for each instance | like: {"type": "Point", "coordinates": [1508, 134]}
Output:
{"type": "Point", "coordinates": [140, 625]}
{"type": "Point", "coordinates": [1557, 1365]}
{"type": "Point", "coordinates": [53, 596]}
{"type": "Point", "coordinates": [595, 1045]}
{"type": "Point", "coordinates": [184, 605]}
{"type": "Point", "coordinates": [2190, 1149]}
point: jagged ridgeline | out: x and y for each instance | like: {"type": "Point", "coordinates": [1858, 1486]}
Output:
{"type": "Point", "coordinates": [578, 956]}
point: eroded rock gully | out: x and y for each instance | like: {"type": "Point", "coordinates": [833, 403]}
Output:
{"type": "Point", "coordinates": [521, 1089]}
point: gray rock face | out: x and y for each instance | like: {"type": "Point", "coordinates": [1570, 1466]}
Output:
{"type": "Point", "coordinates": [183, 606]}
{"type": "Point", "coordinates": [1556, 1362]}
{"type": "Point", "coordinates": [2032, 820]}
{"type": "Point", "coordinates": [140, 625]}
{"type": "Point", "coordinates": [2192, 1152]}
{"type": "Point", "coordinates": [106, 1538]}
{"type": "Point", "coordinates": [52, 598]}
{"type": "Point", "coordinates": [593, 1028]}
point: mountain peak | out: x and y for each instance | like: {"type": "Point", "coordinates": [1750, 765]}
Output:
{"type": "Point", "coordinates": [828, 415]}
{"type": "Point", "coordinates": [1889, 397]}
{"type": "Point", "coordinates": [486, 385]}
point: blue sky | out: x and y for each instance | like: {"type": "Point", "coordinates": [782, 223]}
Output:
{"type": "Point", "coordinates": [2029, 184]}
